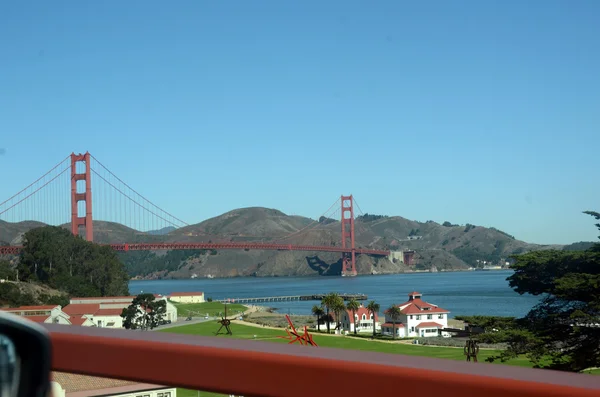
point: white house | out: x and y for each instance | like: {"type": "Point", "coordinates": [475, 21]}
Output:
{"type": "Point", "coordinates": [362, 320]}
{"type": "Point", "coordinates": [49, 314]}
{"type": "Point", "coordinates": [417, 319]}
{"type": "Point", "coordinates": [106, 311]}
{"type": "Point", "coordinates": [187, 297]}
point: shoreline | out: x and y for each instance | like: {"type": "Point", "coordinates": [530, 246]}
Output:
{"type": "Point", "coordinates": [138, 278]}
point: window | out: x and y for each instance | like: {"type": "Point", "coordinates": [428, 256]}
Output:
{"type": "Point", "coordinates": [364, 316]}
{"type": "Point", "coordinates": [429, 316]}
{"type": "Point", "coordinates": [440, 316]}
{"type": "Point", "coordinates": [411, 317]}
{"type": "Point", "coordinates": [418, 317]}
{"type": "Point", "coordinates": [412, 329]}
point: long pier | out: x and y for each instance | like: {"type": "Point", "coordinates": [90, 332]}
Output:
{"type": "Point", "coordinates": [315, 297]}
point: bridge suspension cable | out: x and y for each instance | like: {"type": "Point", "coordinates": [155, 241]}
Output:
{"type": "Point", "coordinates": [45, 200]}
{"type": "Point", "coordinates": [174, 220]}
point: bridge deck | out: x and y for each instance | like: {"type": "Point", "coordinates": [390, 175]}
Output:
{"type": "Point", "coordinates": [13, 250]}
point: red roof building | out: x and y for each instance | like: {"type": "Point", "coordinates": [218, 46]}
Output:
{"type": "Point", "coordinates": [106, 311]}
{"type": "Point", "coordinates": [187, 297]}
{"type": "Point", "coordinates": [417, 318]}
{"type": "Point", "coordinates": [362, 320]}
{"type": "Point", "coordinates": [74, 385]}
{"type": "Point", "coordinates": [49, 314]}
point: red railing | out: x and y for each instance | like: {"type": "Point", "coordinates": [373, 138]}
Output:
{"type": "Point", "coordinates": [250, 368]}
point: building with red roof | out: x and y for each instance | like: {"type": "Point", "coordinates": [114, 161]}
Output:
{"type": "Point", "coordinates": [362, 321]}
{"type": "Point", "coordinates": [75, 385]}
{"type": "Point", "coordinates": [187, 297]}
{"type": "Point", "coordinates": [106, 311]}
{"type": "Point", "coordinates": [417, 318]}
{"type": "Point", "coordinates": [49, 314]}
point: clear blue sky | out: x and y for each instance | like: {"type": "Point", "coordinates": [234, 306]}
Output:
{"type": "Point", "coordinates": [485, 112]}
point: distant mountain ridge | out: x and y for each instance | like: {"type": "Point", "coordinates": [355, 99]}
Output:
{"type": "Point", "coordinates": [162, 232]}
{"type": "Point", "coordinates": [441, 246]}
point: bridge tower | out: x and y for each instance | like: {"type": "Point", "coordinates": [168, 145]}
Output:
{"type": "Point", "coordinates": [348, 258]}
{"type": "Point", "coordinates": [76, 197]}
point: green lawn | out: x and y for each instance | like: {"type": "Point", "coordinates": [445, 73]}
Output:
{"type": "Point", "coordinates": [210, 308]}
{"type": "Point", "coordinates": [266, 334]}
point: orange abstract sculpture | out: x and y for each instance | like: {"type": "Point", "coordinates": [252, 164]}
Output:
{"type": "Point", "coordinates": [294, 336]}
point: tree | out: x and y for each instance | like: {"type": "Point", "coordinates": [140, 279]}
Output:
{"type": "Point", "coordinates": [145, 312]}
{"type": "Point", "coordinates": [373, 308]}
{"type": "Point", "coordinates": [560, 332]}
{"type": "Point", "coordinates": [318, 312]}
{"type": "Point", "coordinates": [338, 308]}
{"type": "Point", "coordinates": [353, 306]}
{"type": "Point", "coordinates": [6, 270]}
{"type": "Point", "coordinates": [328, 302]}
{"type": "Point", "coordinates": [57, 258]}
{"type": "Point", "coordinates": [394, 312]}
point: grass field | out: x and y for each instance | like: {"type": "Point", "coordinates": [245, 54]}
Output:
{"type": "Point", "coordinates": [208, 308]}
{"type": "Point", "coordinates": [267, 334]}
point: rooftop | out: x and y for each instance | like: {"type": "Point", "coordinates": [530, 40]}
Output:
{"type": "Point", "coordinates": [29, 308]}
{"type": "Point", "coordinates": [186, 294]}
{"type": "Point", "coordinates": [88, 386]}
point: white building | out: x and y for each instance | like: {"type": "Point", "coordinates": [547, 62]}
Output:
{"type": "Point", "coordinates": [362, 320]}
{"type": "Point", "coordinates": [417, 319]}
{"type": "Point", "coordinates": [48, 314]}
{"type": "Point", "coordinates": [106, 311]}
{"type": "Point", "coordinates": [187, 297]}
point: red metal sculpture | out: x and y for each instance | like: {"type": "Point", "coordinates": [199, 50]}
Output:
{"type": "Point", "coordinates": [294, 336]}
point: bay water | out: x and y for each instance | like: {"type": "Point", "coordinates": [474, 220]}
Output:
{"type": "Point", "coordinates": [466, 293]}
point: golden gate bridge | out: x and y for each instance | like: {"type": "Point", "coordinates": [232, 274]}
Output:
{"type": "Point", "coordinates": [46, 201]}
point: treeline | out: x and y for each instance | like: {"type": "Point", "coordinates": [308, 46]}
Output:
{"type": "Point", "coordinates": [370, 217]}
{"type": "Point", "coordinates": [54, 257]}
{"type": "Point", "coordinates": [326, 221]}
{"type": "Point", "coordinates": [580, 246]}
{"type": "Point", "coordinates": [141, 263]}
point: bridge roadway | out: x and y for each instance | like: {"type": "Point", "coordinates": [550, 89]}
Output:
{"type": "Point", "coordinates": [13, 250]}
{"type": "Point", "coordinates": [315, 297]}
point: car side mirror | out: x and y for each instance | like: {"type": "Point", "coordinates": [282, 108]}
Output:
{"type": "Point", "coordinates": [25, 357]}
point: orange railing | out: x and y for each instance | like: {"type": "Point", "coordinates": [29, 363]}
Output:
{"type": "Point", "coordinates": [251, 368]}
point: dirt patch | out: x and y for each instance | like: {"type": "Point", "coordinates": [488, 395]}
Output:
{"type": "Point", "coordinates": [278, 320]}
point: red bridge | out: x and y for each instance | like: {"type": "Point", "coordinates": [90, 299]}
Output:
{"type": "Point", "coordinates": [46, 200]}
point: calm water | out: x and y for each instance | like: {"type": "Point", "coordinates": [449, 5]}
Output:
{"type": "Point", "coordinates": [465, 293]}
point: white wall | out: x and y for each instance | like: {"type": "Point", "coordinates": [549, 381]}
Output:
{"type": "Point", "coordinates": [171, 311]}
{"type": "Point", "coordinates": [389, 331]}
{"type": "Point", "coordinates": [412, 321]}
{"type": "Point", "coordinates": [103, 321]}
{"type": "Point", "coordinates": [170, 392]}
{"type": "Point", "coordinates": [187, 298]}
{"type": "Point", "coordinates": [365, 323]}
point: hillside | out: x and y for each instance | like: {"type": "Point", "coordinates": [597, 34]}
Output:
{"type": "Point", "coordinates": [443, 246]}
